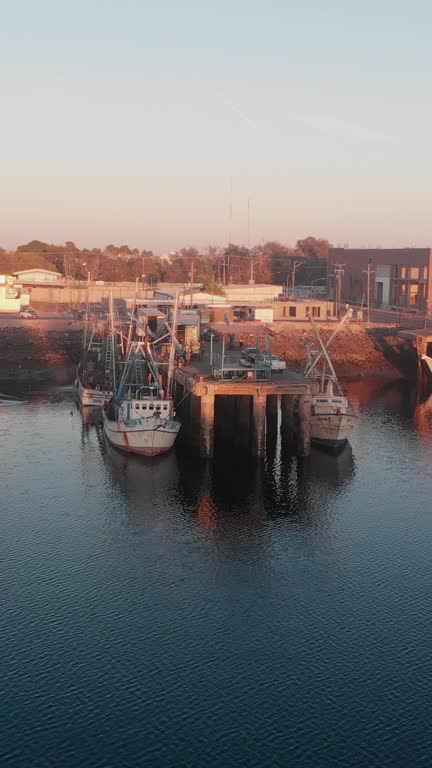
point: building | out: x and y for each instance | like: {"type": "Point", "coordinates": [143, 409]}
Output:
{"type": "Point", "coordinates": [251, 293]}
{"type": "Point", "coordinates": [399, 277]}
{"type": "Point", "coordinates": [301, 309]}
{"type": "Point", "coordinates": [12, 297]}
{"type": "Point", "coordinates": [39, 277]}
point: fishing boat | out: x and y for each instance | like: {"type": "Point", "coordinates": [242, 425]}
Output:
{"type": "Point", "coordinates": [93, 378]}
{"type": "Point", "coordinates": [428, 361]}
{"type": "Point", "coordinates": [332, 418]}
{"type": "Point", "coordinates": [140, 417]}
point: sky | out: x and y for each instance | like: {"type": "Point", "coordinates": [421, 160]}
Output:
{"type": "Point", "coordinates": [146, 123]}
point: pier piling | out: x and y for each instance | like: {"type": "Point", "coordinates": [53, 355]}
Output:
{"type": "Point", "coordinates": [207, 426]}
{"type": "Point", "coordinates": [251, 412]}
{"type": "Point", "coordinates": [259, 424]}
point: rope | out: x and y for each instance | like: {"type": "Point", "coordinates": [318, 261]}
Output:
{"type": "Point", "coordinates": [184, 398]}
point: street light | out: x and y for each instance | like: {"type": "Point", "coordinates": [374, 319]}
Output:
{"type": "Point", "coordinates": [251, 279]}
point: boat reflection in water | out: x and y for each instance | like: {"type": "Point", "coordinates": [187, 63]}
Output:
{"type": "Point", "coordinates": [423, 420]}
{"type": "Point", "coordinates": [228, 495]}
{"type": "Point", "coordinates": [234, 491]}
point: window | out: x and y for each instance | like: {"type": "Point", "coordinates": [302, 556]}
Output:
{"type": "Point", "coordinates": [403, 273]}
{"type": "Point", "coordinates": [424, 273]}
{"type": "Point", "coordinates": [415, 273]}
{"type": "Point", "coordinates": [413, 297]}
{"type": "Point", "coordinates": [316, 311]}
{"type": "Point", "coordinates": [293, 311]}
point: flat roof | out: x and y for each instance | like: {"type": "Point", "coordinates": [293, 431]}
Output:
{"type": "Point", "coordinates": [241, 329]}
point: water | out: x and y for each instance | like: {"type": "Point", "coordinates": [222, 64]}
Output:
{"type": "Point", "coordinates": [178, 613]}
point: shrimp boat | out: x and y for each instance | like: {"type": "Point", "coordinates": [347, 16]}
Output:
{"type": "Point", "coordinates": [332, 419]}
{"type": "Point", "coordinates": [140, 417]}
{"type": "Point", "coordinates": [93, 375]}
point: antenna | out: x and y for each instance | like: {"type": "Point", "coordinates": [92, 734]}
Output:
{"type": "Point", "coordinates": [248, 221]}
{"type": "Point", "coordinates": [230, 212]}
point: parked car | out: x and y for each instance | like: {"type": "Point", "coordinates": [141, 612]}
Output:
{"type": "Point", "coordinates": [276, 363]}
{"type": "Point", "coordinates": [29, 313]}
{"type": "Point", "coordinates": [249, 356]}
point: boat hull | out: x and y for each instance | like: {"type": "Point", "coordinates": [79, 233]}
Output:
{"type": "Point", "coordinates": [332, 430]}
{"type": "Point", "coordinates": [144, 439]}
{"type": "Point", "coordinates": [428, 362]}
{"type": "Point", "coordinates": [92, 397]}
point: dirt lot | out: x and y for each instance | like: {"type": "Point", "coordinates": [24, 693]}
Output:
{"type": "Point", "coordinates": [356, 350]}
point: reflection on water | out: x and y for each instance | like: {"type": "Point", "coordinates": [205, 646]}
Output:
{"type": "Point", "coordinates": [234, 612]}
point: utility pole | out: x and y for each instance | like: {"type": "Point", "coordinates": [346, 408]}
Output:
{"type": "Point", "coordinates": [295, 265]}
{"type": "Point", "coordinates": [369, 272]}
{"type": "Point", "coordinates": [230, 212]}
{"type": "Point", "coordinates": [251, 281]}
{"type": "Point", "coordinates": [191, 282]}
{"type": "Point", "coordinates": [338, 272]}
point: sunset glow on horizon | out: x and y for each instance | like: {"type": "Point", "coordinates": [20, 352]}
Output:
{"type": "Point", "coordinates": [143, 124]}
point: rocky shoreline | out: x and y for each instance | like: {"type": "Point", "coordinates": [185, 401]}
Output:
{"type": "Point", "coordinates": [356, 352]}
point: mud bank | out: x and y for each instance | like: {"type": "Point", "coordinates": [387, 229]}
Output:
{"type": "Point", "coordinates": [37, 354]}
{"type": "Point", "coordinates": [356, 350]}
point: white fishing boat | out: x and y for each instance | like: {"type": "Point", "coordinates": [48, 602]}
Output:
{"type": "Point", "coordinates": [140, 417]}
{"type": "Point", "coordinates": [428, 361]}
{"type": "Point", "coordinates": [332, 419]}
{"type": "Point", "coordinates": [141, 422]}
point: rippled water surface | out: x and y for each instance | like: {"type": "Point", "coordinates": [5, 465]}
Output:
{"type": "Point", "coordinates": [235, 613]}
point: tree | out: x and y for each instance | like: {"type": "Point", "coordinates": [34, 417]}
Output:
{"type": "Point", "coordinates": [313, 248]}
{"type": "Point", "coordinates": [34, 246]}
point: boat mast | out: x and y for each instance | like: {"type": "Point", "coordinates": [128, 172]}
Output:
{"type": "Point", "coordinates": [324, 347]}
{"type": "Point", "coordinates": [333, 376]}
{"type": "Point", "coordinates": [113, 342]}
{"type": "Point", "coordinates": [86, 319]}
{"type": "Point", "coordinates": [172, 348]}
{"type": "Point", "coordinates": [132, 318]}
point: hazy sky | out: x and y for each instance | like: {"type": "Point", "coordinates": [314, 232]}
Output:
{"type": "Point", "coordinates": [124, 121]}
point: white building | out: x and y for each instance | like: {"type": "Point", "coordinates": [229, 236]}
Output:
{"type": "Point", "coordinates": [251, 294]}
{"type": "Point", "coordinates": [39, 277]}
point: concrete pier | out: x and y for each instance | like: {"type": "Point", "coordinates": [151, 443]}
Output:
{"type": "Point", "coordinates": [303, 425]}
{"type": "Point", "coordinates": [254, 409]}
{"type": "Point", "coordinates": [288, 407]}
{"type": "Point", "coordinates": [272, 406]}
{"type": "Point", "coordinates": [207, 425]}
{"type": "Point", "coordinates": [259, 424]}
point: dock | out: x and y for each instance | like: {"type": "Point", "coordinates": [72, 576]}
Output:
{"type": "Point", "coordinates": [255, 396]}
{"type": "Point", "coordinates": [421, 340]}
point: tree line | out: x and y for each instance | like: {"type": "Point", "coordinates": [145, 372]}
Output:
{"type": "Point", "coordinates": [213, 267]}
